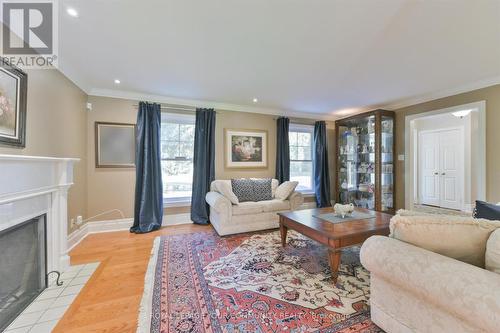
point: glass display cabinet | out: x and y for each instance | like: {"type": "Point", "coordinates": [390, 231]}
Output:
{"type": "Point", "coordinates": [365, 160]}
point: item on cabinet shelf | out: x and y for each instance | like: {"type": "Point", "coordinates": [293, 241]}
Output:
{"type": "Point", "coordinates": [365, 149]}
{"type": "Point", "coordinates": [363, 187]}
{"type": "Point", "coordinates": [388, 202]}
{"type": "Point", "coordinates": [387, 188]}
{"type": "Point", "coordinates": [344, 185]}
{"type": "Point", "coordinates": [364, 203]}
{"type": "Point", "coordinates": [387, 126]}
{"type": "Point", "coordinates": [386, 149]}
{"type": "Point", "coordinates": [343, 210]}
{"type": "Point", "coordinates": [371, 127]}
{"type": "Point", "coordinates": [370, 204]}
{"type": "Point", "coordinates": [387, 168]}
{"type": "Point", "coordinates": [365, 167]}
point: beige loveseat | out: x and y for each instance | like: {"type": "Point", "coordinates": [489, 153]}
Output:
{"type": "Point", "coordinates": [413, 289]}
{"type": "Point", "coordinates": [228, 218]}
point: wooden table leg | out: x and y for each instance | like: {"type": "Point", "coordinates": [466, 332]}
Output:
{"type": "Point", "coordinates": [283, 231]}
{"type": "Point", "coordinates": [334, 258]}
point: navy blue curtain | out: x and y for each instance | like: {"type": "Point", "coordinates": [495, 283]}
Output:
{"type": "Point", "coordinates": [320, 165]}
{"type": "Point", "coordinates": [148, 208]}
{"type": "Point", "coordinates": [204, 164]}
{"type": "Point", "coordinates": [282, 150]}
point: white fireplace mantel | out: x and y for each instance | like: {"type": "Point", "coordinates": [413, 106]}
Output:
{"type": "Point", "coordinates": [31, 186]}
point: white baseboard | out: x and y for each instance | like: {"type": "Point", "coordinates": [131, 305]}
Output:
{"type": "Point", "coordinates": [118, 225]}
{"type": "Point", "coordinates": [124, 224]}
{"type": "Point", "coordinates": [468, 208]}
{"type": "Point", "coordinates": [97, 227]}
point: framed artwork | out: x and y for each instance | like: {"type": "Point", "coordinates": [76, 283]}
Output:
{"type": "Point", "coordinates": [114, 145]}
{"type": "Point", "coordinates": [245, 148]}
{"type": "Point", "coordinates": [13, 92]}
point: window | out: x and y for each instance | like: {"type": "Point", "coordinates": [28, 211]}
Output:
{"type": "Point", "coordinates": [177, 146]}
{"type": "Point", "coordinates": [301, 165]}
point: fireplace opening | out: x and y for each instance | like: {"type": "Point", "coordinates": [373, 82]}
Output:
{"type": "Point", "coordinates": [23, 267]}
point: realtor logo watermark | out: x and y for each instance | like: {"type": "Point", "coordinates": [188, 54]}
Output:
{"type": "Point", "coordinates": [29, 33]}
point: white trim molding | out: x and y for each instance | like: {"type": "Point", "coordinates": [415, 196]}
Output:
{"type": "Point", "coordinates": [96, 227]}
{"type": "Point", "coordinates": [32, 186]}
{"type": "Point", "coordinates": [479, 148]}
{"type": "Point", "coordinates": [414, 100]}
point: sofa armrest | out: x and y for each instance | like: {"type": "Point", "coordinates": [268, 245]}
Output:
{"type": "Point", "coordinates": [219, 203]}
{"type": "Point", "coordinates": [464, 290]}
{"type": "Point", "coordinates": [296, 200]}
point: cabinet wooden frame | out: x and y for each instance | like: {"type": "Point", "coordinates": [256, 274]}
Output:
{"type": "Point", "coordinates": [378, 114]}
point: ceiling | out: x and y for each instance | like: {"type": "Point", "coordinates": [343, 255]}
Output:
{"type": "Point", "coordinates": [328, 57]}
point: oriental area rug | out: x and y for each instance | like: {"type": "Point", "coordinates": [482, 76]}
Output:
{"type": "Point", "coordinates": [249, 283]}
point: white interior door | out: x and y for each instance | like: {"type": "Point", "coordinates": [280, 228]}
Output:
{"type": "Point", "coordinates": [441, 168]}
{"type": "Point", "coordinates": [451, 152]}
{"type": "Point", "coordinates": [429, 168]}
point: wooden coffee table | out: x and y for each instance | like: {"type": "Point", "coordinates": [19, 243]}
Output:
{"type": "Point", "coordinates": [335, 236]}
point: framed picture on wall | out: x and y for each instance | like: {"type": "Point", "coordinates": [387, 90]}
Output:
{"type": "Point", "coordinates": [245, 148]}
{"type": "Point", "coordinates": [13, 92]}
{"type": "Point", "coordinates": [114, 145]}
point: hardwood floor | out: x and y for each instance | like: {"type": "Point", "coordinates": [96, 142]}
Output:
{"type": "Point", "coordinates": [110, 300]}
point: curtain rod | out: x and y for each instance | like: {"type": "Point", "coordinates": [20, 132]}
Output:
{"type": "Point", "coordinates": [178, 108]}
{"type": "Point", "coordinates": [302, 121]}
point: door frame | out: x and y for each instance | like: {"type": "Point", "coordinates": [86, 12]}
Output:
{"type": "Point", "coordinates": [461, 130]}
{"type": "Point", "coordinates": [480, 148]}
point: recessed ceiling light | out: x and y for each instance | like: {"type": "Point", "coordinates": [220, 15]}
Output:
{"type": "Point", "coordinates": [72, 12]}
{"type": "Point", "coordinates": [117, 81]}
{"type": "Point", "coordinates": [255, 100]}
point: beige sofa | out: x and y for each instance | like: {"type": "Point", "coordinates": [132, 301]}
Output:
{"type": "Point", "coordinates": [416, 290]}
{"type": "Point", "coordinates": [228, 218]}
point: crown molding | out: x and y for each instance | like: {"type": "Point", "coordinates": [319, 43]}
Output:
{"type": "Point", "coordinates": [136, 96]}
{"type": "Point", "coordinates": [414, 100]}
{"type": "Point", "coordinates": [394, 105]}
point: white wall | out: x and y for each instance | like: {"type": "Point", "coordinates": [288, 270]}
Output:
{"type": "Point", "coordinates": [469, 124]}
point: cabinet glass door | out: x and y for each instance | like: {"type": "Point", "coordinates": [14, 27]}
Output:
{"type": "Point", "coordinates": [387, 163]}
{"type": "Point", "coordinates": [356, 176]}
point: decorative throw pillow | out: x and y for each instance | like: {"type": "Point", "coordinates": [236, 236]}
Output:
{"type": "Point", "coordinates": [262, 189]}
{"type": "Point", "coordinates": [224, 188]}
{"type": "Point", "coordinates": [485, 210]}
{"type": "Point", "coordinates": [285, 190]}
{"type": "Point", "coordinates": [461, 238]}
{"type": "Point", "coordinates": [243, 189]}
{"type": "Point", "coordinates": [274, 185]}
{"type": "Point", "coordinates": [492, 258]}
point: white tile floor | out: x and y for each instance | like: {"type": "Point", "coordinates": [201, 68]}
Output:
{"type": "Point", "coordinates": [42, 315]}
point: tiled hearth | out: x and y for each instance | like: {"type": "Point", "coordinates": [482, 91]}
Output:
{"type": "Point", "coordinates": [43, 314]}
